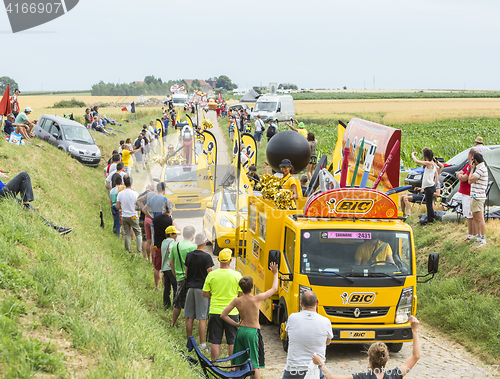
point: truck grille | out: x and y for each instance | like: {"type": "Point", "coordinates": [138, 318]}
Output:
{"type": "Point", "coordinates": [350, 312]}
{"type": "Point", "coordinates": [187, 205]}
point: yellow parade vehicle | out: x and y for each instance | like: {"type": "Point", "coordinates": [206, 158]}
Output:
{"type": "Point", "coordinates": [350, 246]}
{"type": "Point", "coordinates": [219, 221]}
{"type": "Point", "coordinates": [188, 168]}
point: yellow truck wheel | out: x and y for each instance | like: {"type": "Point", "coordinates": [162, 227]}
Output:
{"type": "Point", "coordinates": [283, 334]}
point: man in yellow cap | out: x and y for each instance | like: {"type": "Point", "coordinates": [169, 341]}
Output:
{"type": "Point", "coordinates": [221, 286]}
{"type": "Point", "coordinates": [168, 277]}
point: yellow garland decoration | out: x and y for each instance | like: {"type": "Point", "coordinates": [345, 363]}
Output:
{"type": "Point", "coordinates": [207, 124]}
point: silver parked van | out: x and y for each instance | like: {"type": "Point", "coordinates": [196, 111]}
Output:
{"type": "Point", "coordinates": [274, 107]}
{"type": "Point", "coordinates": [70, 136]}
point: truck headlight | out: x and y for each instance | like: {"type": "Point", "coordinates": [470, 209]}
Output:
{"type": "Point", "coordinates": [302, 289]}
{"type": "Point", "coordinates": [403, 311]}
{"type": "Point", "coordinates": [417, 177]}
{"type": "Point", "coordinates": [168, 192]}
{"type": "Point", "coordinates": [71, 149]}
{"type": "Point", "coordinates": [206, 191]}
{"type": "Point", "coordinates": [224, 221]}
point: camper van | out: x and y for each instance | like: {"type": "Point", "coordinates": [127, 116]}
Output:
{"type": "Point", "coordinates": [274, 107]}
{"type": "Point", "coordinates": [179, 99]}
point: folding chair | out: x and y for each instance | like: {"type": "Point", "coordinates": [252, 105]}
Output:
{"type": "Point", "coordinates": [488, 188]}
{"type": "Point", "coordinates": [245, 370]}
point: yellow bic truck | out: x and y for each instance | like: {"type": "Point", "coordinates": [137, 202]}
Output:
{"type": "Point", "coordinates": [349, 247]}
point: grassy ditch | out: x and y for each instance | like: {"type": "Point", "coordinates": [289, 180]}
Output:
{"type": "Point", "coordinates": [79, 304]}
{"type": "Point", "coordinates": [463, 299]}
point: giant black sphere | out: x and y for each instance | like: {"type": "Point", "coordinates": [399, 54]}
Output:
{"type": "Point", "coordinates": [290, 145]}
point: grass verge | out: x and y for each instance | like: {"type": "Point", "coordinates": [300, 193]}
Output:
{"type": "Point", "coordinates": [463, 299]}
{"type": "Point", "coordinates": [84, 287]}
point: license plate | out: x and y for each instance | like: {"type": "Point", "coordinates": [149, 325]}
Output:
{"type": "Point", "coordinates": [87, 159]}
{"type": "Point", "coordinates": [188, 200]}
{"type": "Point", "coordinates": [352, 334]}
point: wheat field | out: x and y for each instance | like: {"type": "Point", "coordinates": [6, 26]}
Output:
{"type": "Point", "coordinates": [42, 104]}
{"type": "Point", "coordinates": [398, 111]}
{"type": "Point", "coordinates": [395, 111]}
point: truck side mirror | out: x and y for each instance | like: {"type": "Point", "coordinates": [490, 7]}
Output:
{"type": "Point", "coordinates": [210, 205]}
{"type": "Point", "coordinates": [156, 180]}
{"type": "Point", "coordinates": [274, 257]}
{"type": "Point", "coordinates": [433, 263]}
{"type": "Point", "coordinates": [432, 267]}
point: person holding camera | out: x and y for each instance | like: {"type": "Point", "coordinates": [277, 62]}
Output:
{"type": "Point", "coordinates": [478, 180]}
{"type": "Point", "coordinates": [429, 178]}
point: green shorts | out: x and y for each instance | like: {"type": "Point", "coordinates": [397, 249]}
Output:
{"type": "Point", "coordinates": [249, 338]}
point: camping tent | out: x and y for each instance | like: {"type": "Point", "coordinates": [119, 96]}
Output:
{"type": "Point", "coordinates": [250, 97]}
{"type": "Point", "coordinates": [492, 159]}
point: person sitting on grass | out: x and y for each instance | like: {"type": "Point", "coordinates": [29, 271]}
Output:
{"type": "Point", "coordinates": [248, 335]}
{"type": "Point", "coordinates": [22, 119]}
{"type": "Point", "coordinates": [10, 126]}
{"type": "Point", "coordinates": [21, 185]}
{"type": "Point", "coordinates": [378, 355]}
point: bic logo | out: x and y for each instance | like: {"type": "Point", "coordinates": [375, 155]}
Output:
{"type": "Point", "coordinates": [357, 334]}
{"type": "Point", "coordinates": [28, 14]}
{"type": "Point", "coordinates": [354, 206]}
{"type": "Point", "coordinates": [357, 298]}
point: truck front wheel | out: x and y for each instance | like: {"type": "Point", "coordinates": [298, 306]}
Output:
{"type": "Point", "coordinates": [283, 333]}
{"type": "Point", "coordinates": [395, 347]}
{"type": "Point", "coordinates": [215, 246]}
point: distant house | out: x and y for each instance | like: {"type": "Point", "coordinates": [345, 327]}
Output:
{"type": "Point", "coordinates": [212, 82]}
{"type": "Point", "coordinates": [205, 87]}
{"type": "Point", "coordinates": [138, 83]}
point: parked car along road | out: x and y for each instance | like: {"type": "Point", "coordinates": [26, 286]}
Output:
{"type": "Point", "coordinates": [239, 106]}
{"type": "Point", "coordinates": [447, 178]}
{"type": "Point", "coordinates": [70, 136]}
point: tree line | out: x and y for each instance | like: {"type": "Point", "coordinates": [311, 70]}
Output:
{"type": "Point", "coordinates": [155, 86]}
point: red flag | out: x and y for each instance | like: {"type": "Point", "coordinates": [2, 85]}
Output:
{"type": "Point", "coordinates": [5, 107]}
{"type": "Point", "coordinates": [220, 98]}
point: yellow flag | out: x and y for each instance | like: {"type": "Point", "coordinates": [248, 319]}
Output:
{"type": "Point", "coordinates": [207, 162]}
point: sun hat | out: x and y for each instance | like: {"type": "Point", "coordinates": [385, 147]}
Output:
{"type": "Point", "coordinates": [225, 255]}
{"type": "Point", "coordinates": [286, 163]}
{"type": "Point", "coordinates": [171, 229]}
{"type": "Point", "coordinates": [479, 140]}
{"type": "Point", "coordinates": [28, 109]}
{"type": "Point", "coordinates": [200, 239]}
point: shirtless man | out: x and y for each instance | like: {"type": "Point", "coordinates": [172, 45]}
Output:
{"type": "Point", "coordinates": [248, 335]}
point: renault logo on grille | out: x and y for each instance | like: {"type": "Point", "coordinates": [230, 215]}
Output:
{"type": "Point", "coordinates": [357, 312]}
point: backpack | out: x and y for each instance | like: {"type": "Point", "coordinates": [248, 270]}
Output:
{"type": "Point", "coordinates": [271, 130]}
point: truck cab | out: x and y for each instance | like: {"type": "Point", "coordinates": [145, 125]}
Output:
{"type": "Point", "coordinates": [350, 248]}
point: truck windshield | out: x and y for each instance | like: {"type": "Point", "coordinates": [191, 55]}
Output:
{"type": "Point", "coordinates": [265, 106]}
{"type": "Point", "coordinates": [355, 252]}
{"type": "Point", "coordinates": [229, 202]}
{"type": "Point", "coordinates": [180, 174]}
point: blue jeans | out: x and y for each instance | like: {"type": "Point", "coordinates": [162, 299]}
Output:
{"type": "Point", "coordinates": [19, 185]}
{"type": "Point", "coordinates": [116, 220]}
{"type": "Point", "coordinates": [257, 135]}
{"type": "Point", "coordinates": [298, 375]}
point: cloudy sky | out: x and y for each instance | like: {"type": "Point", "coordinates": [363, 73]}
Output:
{"type": "Point", "coordinates": [404, 44]}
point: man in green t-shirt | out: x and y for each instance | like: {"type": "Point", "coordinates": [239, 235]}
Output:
{"type": "Point", "coordinates": [221, 286]}
{"type": "Point", "coordinates": [22, 118]}
{"type": "Point", "coordinates": [177, 265]}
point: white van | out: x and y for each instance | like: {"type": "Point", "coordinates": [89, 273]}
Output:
{"type": "Point", "coordinates": [179, 99]}
{"type": "Point", "coordinates": [275, 107]}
